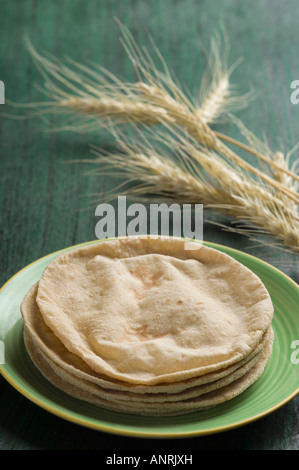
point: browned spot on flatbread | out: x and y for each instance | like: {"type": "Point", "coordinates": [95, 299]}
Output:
{"type": "Point", "coordinates": [139, 333]}
{"type": "Point", "coordinates": [146, 276]}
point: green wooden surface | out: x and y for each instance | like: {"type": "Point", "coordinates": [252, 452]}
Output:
{"type": "Point", "coordinates": [41, 196]}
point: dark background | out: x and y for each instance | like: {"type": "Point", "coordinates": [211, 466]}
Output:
{"type": "Point", "coordinates": [44, 202]}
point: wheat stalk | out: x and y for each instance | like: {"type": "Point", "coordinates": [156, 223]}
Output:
{"type": "Point", "coordinates": [154, 99]}
{"type": "Point", "coordinates": [197, 176]}
{"type": "Point", "coordinates": [216, 95]}
{"type": "Point", "coordinates": [212, 172]}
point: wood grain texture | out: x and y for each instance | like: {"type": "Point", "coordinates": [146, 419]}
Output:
{"type": "Point", "coordinates": [42, 196]}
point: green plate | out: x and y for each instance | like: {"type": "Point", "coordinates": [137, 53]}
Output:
{"type": "Point", "coordinates": [278, 384]}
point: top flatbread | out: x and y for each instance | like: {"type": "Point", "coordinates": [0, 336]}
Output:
{"type": "Point", "coordinates": [149, 310]}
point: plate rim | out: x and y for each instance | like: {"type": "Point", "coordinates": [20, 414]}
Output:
{"type": "Point", "coordinates": [72, 417]}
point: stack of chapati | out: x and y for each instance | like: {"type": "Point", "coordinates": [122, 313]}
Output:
{"type": "Point", "coordinates": [149, 325]}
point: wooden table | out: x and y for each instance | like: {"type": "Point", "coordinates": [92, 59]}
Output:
{"type": "Point", "coordinates": [42, 197]}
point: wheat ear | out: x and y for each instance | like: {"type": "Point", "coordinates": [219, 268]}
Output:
{"type": "Point", "coordinates": [154, 99]}
{"type": "Point", "coordinates": [183, 170]}
{"type": "Point", "coordinates": [92, 97]}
